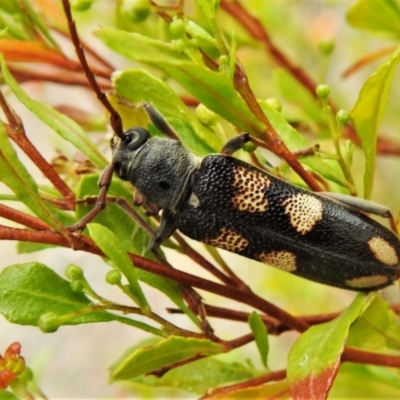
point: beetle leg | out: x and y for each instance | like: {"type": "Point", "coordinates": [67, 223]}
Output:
{"type": "Point", "coordinates": [359, 204]}
{"type": "Point", "coordinates": [165, 230]}
{"type": "Point", "coordinates": [104, 184]}
{"type": "Point", "coordinates": [364, 206]}
{"type": "Point", "coordinates": [193, 300]}
{"type": "Point", "coordinates": [307, 151]}
{"type": "Point", "coordinates": [236, 143]}
{"type": "Point", "coordinates": [139, 200]}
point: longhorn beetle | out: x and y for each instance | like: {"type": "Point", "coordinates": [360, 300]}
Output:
{"type": "Point", "coordinates": [227, 203]}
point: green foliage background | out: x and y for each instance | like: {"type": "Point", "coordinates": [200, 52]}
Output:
{"type": "Point", "coordinates": [159, 65]}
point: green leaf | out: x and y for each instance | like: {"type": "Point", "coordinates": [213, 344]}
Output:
{"type": "Point", "coordinates": [377, 328]}
{"type": "Point", "coordinates": [204, 39]}
{"type": "Point", "coordinates": [137, 85]}
{"type": "Point", "coordinates": [64, 126]}
{"type": "Point", "coordinates": [132, 237]}
{"type": "Point", "coordinates": [11, 7]}
{"type": "Point", "coordinates": [17, 178]}
{"type": "Point", "coordinates": [202, 147]}
{"type": "Point", "coordinates": [6, 395]}
{"type": "Point", "coordinates": [113, 249]}
{"type": "Point", "coordinates": [214, 89]}
{"type": "Point", "coordinates": [28, 291]}
{"type": "Point", "coordinates": [296, 93]}
{"type": "Point", "coordinates": [393, 333]}
{"type": "Point", "coordinates": [164, 353]}
{"type": "Point", "coordinates": [369, 329]}
{"type": "Point", "coordinates": [209, 8]}
{"type": "Point", "coordinates": [36, 22]}
{"type": "Point", "coordinates": [368, 110]}
{"type": "Point", "coordinates": [315, 357]}
{"type": "Point", "coordinates": [30, 247]}
{"type": "Point", "coordinates": [362, 381]}
{"type": "Point", "coordinates": [375, 16]}
{"type": "Point", "coordinates": [260, 335]}
{"type": "Point", "coordinates": [200, 375]}
{"type": "Point", "coordinates": [292, 138]}
{"type": "Point", "coordinates": [15, 21]}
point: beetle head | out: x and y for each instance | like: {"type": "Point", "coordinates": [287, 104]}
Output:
{"type": "Point", "coordinates": [158, 167]}
{"type": "Point", "coordinates": [125, 150]}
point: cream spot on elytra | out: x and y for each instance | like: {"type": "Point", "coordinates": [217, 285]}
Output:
{"type": "Point", "coordinates": [383, 251]}
{"type": "Point", "coordinates": [284, 260]}
{"type": "Point", "coordinates": [304, 211]}
{"type": "Point", "coordinates": [251, 187]}
{"type": "Point", "coordinates": [229, 240]}
{"type": "Point", "coordinates": [365, 282]}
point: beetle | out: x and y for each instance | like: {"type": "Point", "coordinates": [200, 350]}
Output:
{"type": "Point", "coordinates": [227, 203]}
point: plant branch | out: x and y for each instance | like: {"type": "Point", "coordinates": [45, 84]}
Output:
{"type": "Point", "coordinates": [271, 138]}
{"type": "Point", "coordinates": [22, 218]}
{"type": "Point", "coordinates": [262, 380]}
{"type": "Point", "coordinates": [16, 132]}
{"type": "Point", "coordinates": [168, 327]}
{"type": "Point", "coordinates": [86, 244]}
{"type": "Point", "coordinates": [199, 259]}
{"type": "Point", "coordinates": [274, 326]}
{"type": "Point", "coordinates": [55, 75]}
{"type": "Point", "coordinates": [89, 50]}
{"type": "Point", "coordinates": [254, 27]}
{"type": "Point", "coordinates": [367, 357]}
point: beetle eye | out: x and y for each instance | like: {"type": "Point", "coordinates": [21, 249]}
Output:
{"type": "Point", "coordinates": [135, 138]}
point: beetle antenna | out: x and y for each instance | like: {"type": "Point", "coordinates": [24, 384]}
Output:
{"type": "Point", "coordinates": [115, 118]}
{"type": "Point", "coordinates": [115, 121]}
{"type": "Point", "coordinates": [160, 122]}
